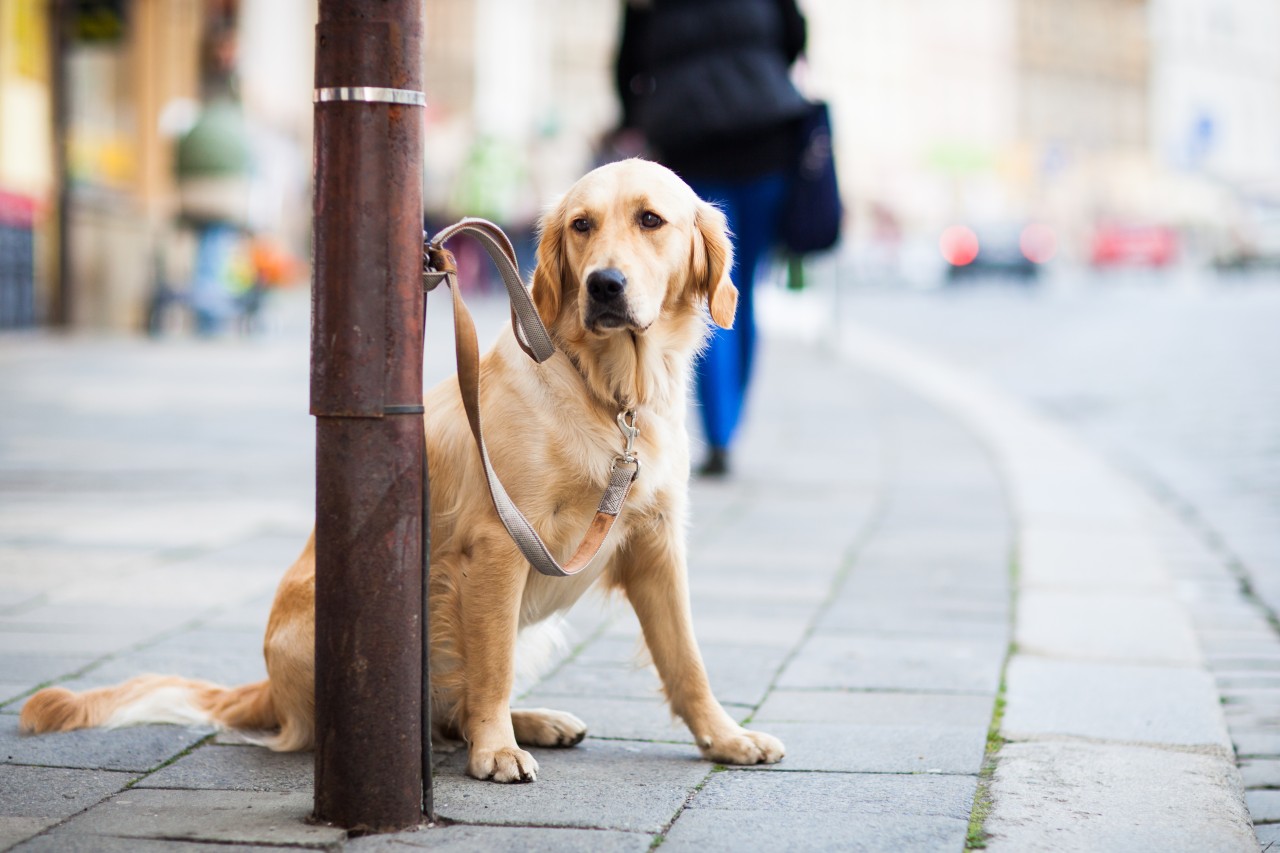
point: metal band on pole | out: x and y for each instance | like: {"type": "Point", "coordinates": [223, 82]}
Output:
{"type": "Point", "coordinates": [370, 95]}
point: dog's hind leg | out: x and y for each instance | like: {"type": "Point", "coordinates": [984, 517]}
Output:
{"type": "Point", "coordinates": [544, 727]}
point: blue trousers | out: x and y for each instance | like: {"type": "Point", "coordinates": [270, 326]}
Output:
{"type": "Point", "coordinates": [724, 370]}
{"type": "Point", "coordinates": [211, 299]}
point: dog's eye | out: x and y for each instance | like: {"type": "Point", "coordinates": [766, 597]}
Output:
{"type": "Point", "coordinates": [582, 225]}
{"type": "Point", "coordinates": [649, 219]}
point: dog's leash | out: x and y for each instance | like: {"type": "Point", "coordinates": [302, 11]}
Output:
{"type": "Point", "coordinates": [532, 335]}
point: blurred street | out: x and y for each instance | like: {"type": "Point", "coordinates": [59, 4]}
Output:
{"type": "Point", "coordinates": [1172, 376]}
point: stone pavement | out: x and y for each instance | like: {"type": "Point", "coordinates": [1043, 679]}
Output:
{"type": "Point", "coordinates": [853, 590]}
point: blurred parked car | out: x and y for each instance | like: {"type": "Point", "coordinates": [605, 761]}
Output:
{"type": "Point", "coordinates": [1256, 245]}
{"type": "Point", "coordinates": [1117, 245]}
{"type": "Point", "coordinates": [1009, 251]}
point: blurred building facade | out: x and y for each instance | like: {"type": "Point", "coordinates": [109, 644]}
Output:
{"type": "Point", "coordinates": [1071, 111]}
{"type": "Point", "coordinates": [1066, 111]}
{"type": "Point", "coordinates": [93, 96]}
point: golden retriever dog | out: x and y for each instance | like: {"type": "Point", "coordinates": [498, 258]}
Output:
{"type": "Point", "coordinates": [630, 265]}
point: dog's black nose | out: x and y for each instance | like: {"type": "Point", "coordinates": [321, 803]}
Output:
{"type": "Point", "coordinates": [606, 285]}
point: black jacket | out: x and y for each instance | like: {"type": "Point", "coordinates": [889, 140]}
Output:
{"type": "Point", "coordinates": [707, 83]}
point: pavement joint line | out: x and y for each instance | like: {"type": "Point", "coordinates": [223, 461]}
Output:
{"type": "Point", "coordinates": [913, 691]}
{"type": "Point", "coordinates": [1190, 515]}
{"type": "Point", "coordinates": [1019, 437]}
{"type": "Point", "coordinates": [845, 569]}
{"type": "Point", "coordinates": [757, 768]}
{"type": "Point", "coordinates": [976, 835]}
{"type": "Point", "coordinates": [661, 836]}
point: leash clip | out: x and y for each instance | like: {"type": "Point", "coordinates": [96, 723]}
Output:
{"type": "Point", "coordinates": [629, 431]}
{"type": "Point", "coordinates": [437, 263]}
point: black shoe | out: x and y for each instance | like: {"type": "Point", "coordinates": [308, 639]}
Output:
{"type": "Point", "coordinates": [717, 464]}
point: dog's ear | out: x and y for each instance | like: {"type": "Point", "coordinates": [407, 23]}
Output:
{"type": "Point", "coordinates": [548, 275]}
{"type": "Point", "coordinates": [712, 263]}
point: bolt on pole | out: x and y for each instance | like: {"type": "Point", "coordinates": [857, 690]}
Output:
{"type": "Point", "coordinates": [372, 730]}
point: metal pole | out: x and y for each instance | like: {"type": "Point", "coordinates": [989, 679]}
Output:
{"type": "Point", "coordinates": [60, 13]}
{"type": "Point", "coordinates": [366, 391]}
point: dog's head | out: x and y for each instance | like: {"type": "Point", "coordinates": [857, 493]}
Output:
{"type": "Point", "coordinates": [628, 246]}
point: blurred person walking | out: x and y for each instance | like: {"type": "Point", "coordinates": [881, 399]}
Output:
{"type": "Point", "coordinates": [707, 83]}
{"type": "Point", "coordinates": [213, 165]}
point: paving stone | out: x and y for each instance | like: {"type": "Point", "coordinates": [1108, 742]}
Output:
{"type": "Point", "coordinates": [980, 545]}
{"type": "Point", "coordinates": [889, 794]}
{"type": "Point", "coordinates": [486, 839]}
{"type": "Point", "coordinates": [54, 792]}
{"type": "Point", "coordinates": [1245, 695]}
{"type": "Point", "coordinates": [1264, 806]}
{"type": "Point", "coordinates": [1249, 715]}
{"type": "Point", "coordinates": [1268, 836]}
{"type": "Point", "coordinates": [916, 618]}
{"type": "Point", "coordinates": [941, 578]}
{"type": "Point", "coordinates": [248, 615]}
{"type": "Point", "coordinates": [1260, 772]}
{"type": "Point", "coordinates": [600, 784]}
{"type": "Point", "coordinates": [139, 748]}
{"type": "Point", "coordinates": [140, 621]}
{"type": "Point", "coordinates": [1248, 680]}
{"type": "Point", "coordinates": [62, 842]}
{"type": "Point", "coordinates": [1217, 643]}
{"type": "Point", "coordinates": [239, 642]}
{"type": "Point", "coordinates": [261, 817]}
{"type": "Point", "coordinates": [621, 651]}
{"type": "Point", "coordinates": [875, 708]}
{"type": "Point", "coordinates": [14, 830]}
{"type": "Point", "coordinates": [237, 662]}
{"type": "Point", "coordinates": [1233, 664]}
{"type": "Point", "coordinates": [779, 632]}
{"type": "Point", "coordinates": [729, 584]}
{"type": "Point", "coordinates": [1089, 559]}
{"type": "Point", "coordinates": [1105, 626]}
{"type": "Point", "coordinates": [875, 662]}
{"type": "Point", "coordinates": [812, 561]}
{"type": "Point", "coordinates": [1256, 741]}
{"type": "Point", "coordinates": [739, 674]}
{"type": "Point", "coordinates": [237, 768]}
{"type": "Point", "coordinates": [1072, 796]}
{"type": "Point", "coordinates": [33, 670]}
{"type": "Point", "coordinates": [1143, 704]}
{"type": "Point", "coordinates": [614, 719]}
{"type": "Point", "coordinates": [611, 681]}
{"type": "Point", "coordinates": [64, 644]}
{"type": "Point", "coordinates": [705, 830]}
{"type": "Point", "coordinates": [878, 748]}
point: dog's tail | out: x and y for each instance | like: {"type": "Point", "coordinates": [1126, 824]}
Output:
{"type": "Point", "coordinates": [160, 699]}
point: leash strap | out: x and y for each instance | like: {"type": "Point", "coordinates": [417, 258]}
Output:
{"type": "Point", "coordinates": [530, 333]}
{"type": "Point", "coordinates": [534, 340]}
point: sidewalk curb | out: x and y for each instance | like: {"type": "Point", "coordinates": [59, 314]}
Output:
{"type": "Point", "coordinates": [1115, 736]}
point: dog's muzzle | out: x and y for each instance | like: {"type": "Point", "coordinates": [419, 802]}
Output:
{"type": "Point", "coordinates": [607, 300]}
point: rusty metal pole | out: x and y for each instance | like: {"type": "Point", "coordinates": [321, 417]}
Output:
{"type": "Point", "coordinates": [366, 394]}
{"type": "Point", "coordinates": [60, 20]}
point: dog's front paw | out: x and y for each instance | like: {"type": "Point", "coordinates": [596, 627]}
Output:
{"type": "Point", "coordinates": [544, 727]}
{"type": "Point", "coordinates": [743, 747]}
{"type": "Point", "coordinates": [508, 764]}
